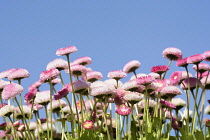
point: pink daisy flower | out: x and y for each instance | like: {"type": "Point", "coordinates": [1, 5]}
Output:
{"type": "Point", "coordinates": [80, 87]}
{"type": "Point", "coordinates": [32, 126]}
{"type": "Point", "coordinates": [160, 69]}
{"type": "Point", "coordinates": [36, 84]}
{"type": "Point", "coordinates": [155, 75]}
{"type": "Point", "coordinates": [17, 74]}
{"type": "Point", "coordinates": [6, 110]}
{"type": "Point", "coordinates": [205, 81]}
{"type": "Point", "coordinates": [182, 62]}
{"type": "Point", "coordinates": [195, 59]}
{"type": "Point", "coordinates": [185, 75]}
{"type": "Point", "coordinates": [145, 80]}
{"type": "Point", "coordinates": [207, 55]}
{"type": "Point", "coordinates": [30, 95]}
{"type": "Point", "coordinates": [201, 75]}
{"type": "Point", "coordinates": [61, 93]}
{"type": "Point", "coordinates": [83, 61]}
{"type": "Point", "coordinates": [103, 91]}
{"type": "Point", "coordinates": [179, 103]}
{"type": "Point", "coordinates": [142, 103]}
{"type": "Point", "coordinates": [92, 76]}
{"type": "Point", "coordinates": [66, 51]}
{"type": "Point", "coordinates": [167, 104]}
{"type": "Point", "coordinates": [116, 74]}
{"type": "Point", "coordinates": [57, 105]}
{"type": "Point", "coordinates": [97, 84]}
{"type": "Point", "coordinates": [123, 110]}
{"type": "Point", "coordinates": [118, 99]}
{"type": "Point", "coordinates": [172, 54]}
{"type": "Point", "coordinates": [113, 82]}
{"type": "Point", "coordinates": [132, 97]}
{"type": "Point", "coordinates": [192, 83]}
{"type": "Point", "coordinates": [45, 76]}
{"type": "Point", "coordinates": [56, 81]}
{"type": "Point", "coordinates": [175, 77]}
{"type": "Point", "coordinates": [6, 73]}
{"type": "Point", "coordinates": [26, 112]}
{"type": "Point", "coordinates": [11, 90]}
{"type": "Point", "coordinates": [131, 66]}
{"type": "Point", "coordinates": [58, 63]}
{"type": "Point", "coordinates": [170, 92]}
{"type": "Point", "coordinates": [42, 98]}
{"type": "Point", "coordinates": [3, 84]}
{"type": "Point", "coordinates": [130, 85]}
{"type": "Point", "coordinates": [88, 124]}
{"type": "Point", "coordinates": [77, 70]}
{"type": "Point", "coordinates": [202, 67]}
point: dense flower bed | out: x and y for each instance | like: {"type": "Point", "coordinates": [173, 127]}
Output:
{"type": "Point", "coordinates": [144, 107]}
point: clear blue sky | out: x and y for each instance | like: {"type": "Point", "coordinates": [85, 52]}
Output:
{"type": "Point", "coordinates": [111, 32]}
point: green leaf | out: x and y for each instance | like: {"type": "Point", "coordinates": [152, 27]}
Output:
{"type": "Point", "coordinates": [199, 135]}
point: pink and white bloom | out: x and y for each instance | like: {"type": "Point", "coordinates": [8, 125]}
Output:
{"type": "Point", "coordinates": [30, 95]}
{"type": "Point", "coordinates": [182, 62]}
{"type": "Point", "coordinates": [58, 63]}
{"type": "Point", "coordinates": [11, 90]}
{"type": "Point", "coordinates": [155, 75]}
{"type": "Point", "coordinates": [5, 73]}
{"type": "Point", "coordinates": [195, 59]}
{"type": "Point", "coordinates": [114, 82]}
{"type": "Point", "coordinates": [172, 54]}
{"type": "Point", "coordinates": [160, 69]}
{"type": "Point", "coordinates": [18, 74]}
{"type": "Point", "coordinates": [130, 85]}
{"type": "Point", "coordinates": [57, 105]}
{"type": "Point", "coordinates": [79, 86]}
{"type": "Point", "coordinates": [131, 66]}
{"type": "Point", "coordinates": [193, 82]}
{"type": "Point", "coordinates": [92, 76]}
{"type": "Point", "coordinates": [170, 92]}
{"type": "Point", "coordinates": [123, 110]}
{"type": "Point", "coordinates": [77, 70]}
{"type": "Point", "coordinates": [137, 76]}
{"type": "Point", "coordinates": [83, 61]}
{"type": "Point", "coordinates": [6, 110]}
{"type": "Point", "coordinates": [66, 51]}
{"type": "Point", "coordinates": [178, 102]}
{"type": "Point", "coordinates": [145, 80]}
{"type": "Point", "coordinates": [167, 104]}
{"type": "Point", "coordinates": [36, 84]}
{"type": "Point", "coordinates": [26, 112]}
{"type": "Point", "coordinates": [103, 91]}
{"type": "Point", "coordinates": [3, 84]}
{"type": "Point", "coordinates": [48, 75]}
{"type": "Point", "coordinates": [132, 97]}
{"type": "Point", "coordinates": [202, 67]}
{"type": "Point", "coordinates": [185, 75]}
{"type": "Point", "coordinates": [116, 74]}
{"type": "Point", "coordinates": [88, 124]}
{"type": "Point", "coordinates": [175, 77]}
{"type": "Point", "coordinates": [205, 81]}
{"type": "Point", "coordinates": [61, 93]}
{"type": "Point", "coordinates": [42, 98]}
{"type": "Point", "coordinates": [142, 103]}
{"type": "Point", "coordinates": [207, 55]}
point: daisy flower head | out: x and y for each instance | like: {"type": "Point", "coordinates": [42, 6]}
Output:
{"type": "Point", "coordinates": [92, 76]}
{"type": "Point", "coordinates": [123, 110]}
{"type": "Point", "coordinates": [201, 75]}
{"type": "Point", "coordinates": [155, 75]}
{"type": "Point", "coordinates": [207, 110]}
{"type": "Point", "coordinates": [18, 74]}
{"type": "Point", "coordinates": [116, 74]}
{"type": "Point", "coordinates": [145, 80]}
{"type": "Point", "coordinates": [36, 85]}
{"type": "Point", "coordinates": [83, 61]}
{"type": "Point", "coordinates": [61, 93]}
{"type": "Point", "coordinates": [195, 59]}
{"type": "Point", "coordinates": [185, 75]}
{"type": "Point", "coordinates": [133, 97]}
{"type": "Point", "coordinates": [142, 103]}
{"type": "Point", "coordinates": [18, 114]}
{"type": "Point", "coordinates": [118, 99]}
{"type": "Point", "coordinates": [3, 84]}
{"type": "Point", "coordinates": [131, 66]}
{"type": "Point", "coordinates": [113, 82]}
{"type": "Point", "coordinates": [6, 110]}
{"type": "Point", "coordinates": [30, 95]}
{"type": "Point", "coordinates": [57, 105]}
{"type": "Point", "coordinates": [66, 51]}
{"type": "Point", "coordinates": [193, 82]}
{"type": "Point", "coordinates": [207, 55]}
{"type": "Point", "coordinates": [205, 81]}
{"type": "Point", "coordinates": [88, 124]}
{"type": "Point", "coordinates": [77, 70]}
{"type": "Point", "coordinates": [11, 90]}
{"type": "Point", "coordinates": [42, 98]}
{"type": "Point", "coordinates": [172, 54]}
{"type": "Point", "coordinates": [179, 103]}
{"type": "Point", "coordinates": [103, 91]}
{"type": "Point", "coordinates": [130, 85]}
{"type": "Point", "coordinates": [80, 87]}
{"type": "Point", "coordinates": [167, 104]}
{"type": "Point", "coordinates": [170, 92]}
{"type": "Point", "coordinates": [137, 76]}
{"type": "Point", "coordinates": [58, 63]}
{"type": "Point", "coordinates": [182, 62]}
{"type": "Point", "coordinates": [175, 77]}
{"type": "Point", "coordinates": [160, 69]}
{"type": "Point", "coordinates": [202, 67]}
{"type": "Point", "coordinates": [48, 75]}
{"type": "Point", "coordinates": [5, 73]}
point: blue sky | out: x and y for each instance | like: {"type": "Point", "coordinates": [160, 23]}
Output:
{"type": "Point", "coordinates": [110, 32]}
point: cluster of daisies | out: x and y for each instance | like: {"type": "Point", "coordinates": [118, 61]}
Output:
{"type": "Point", "coordinates": [110, 109]}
